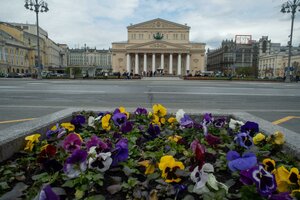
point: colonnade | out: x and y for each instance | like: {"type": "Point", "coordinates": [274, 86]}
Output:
{"type": "Point", "coordinates": [140, 67]}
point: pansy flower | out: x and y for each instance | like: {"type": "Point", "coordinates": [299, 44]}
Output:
{"type": "Point", "coordinates": [78, 121]}
{"type": "Point", "coordinates": [47, 194]}
{"type": "Point", "coordinates": [119, 119]}
{"type": "Point", "coordinates": [236, 162]}
{"type": "Point", "coordinates": [219, 122]}
{"type": "Point", "coordinates": [105, 122]}
{"type": "Point", "coordinates": [285, 179]}
{"type": "Point", "coordinates": [244, 140]}
{"type": "Point", "coordinates": [212, 140]}
{"type": "Point", "coordinates": [175, 138]}
{"type": "Point", "coordinates": [68, 126]}
{"type": "Point", "coordinates": [47, 159]}
{"type": "Point", "coordinates": [269, 164]}
{"type": "Point", "coordinates": [72, 142]}
{"type": "Point", "coordinates": [55, 130]}
{"type": "Point", "coordinates": [159, 110]}
{"type": "Point", "coordinates": [120, 153]}
{"type": "Point", "coordinates": [31, 140]}
{"type": "Point", "coordinates": [99, 160]}
{"type": "Point", "coordinates": [276, 138]}
{"type": "Point", "coordinates": [199, 152]}
{"type": "Point", "coordinates": [264, 180]}
{"type": "Point", "coordinates": [186, 122]}
{"type": "Point", "coordinates": [141, 111]}
{"type": "Point", "coordinates": [149, 165]}
{"type": "Point", "coordinates": [153, 130]}
{"type": "Point", "coordinates": [234, 124]}
{"type": "Point", "coordinates": [76, 163]}
{"type": "Point", "coordinates": [168, 165]}
{"type": "Point", "coordinates": [179, 115]}
{"type": "Point", "coordinates": [207, 118]}
{"type": "Point", "coordinates": [96, 142]}
{"type": "Point", "coordinates": [205, 180]}
{"type": "Point", "coordinates": [172, 121]}
{"type": "Point", "coordinates": [250, 127]}
{"type": "Point", "coordinates": [259, 138]}
{"type": "Point", "coordinates": [127, 127]}
{"type": "Point", "coordinates": [121, 110]}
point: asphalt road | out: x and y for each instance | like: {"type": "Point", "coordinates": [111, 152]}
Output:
{"type": "Point", "coordinates": [24, 99]}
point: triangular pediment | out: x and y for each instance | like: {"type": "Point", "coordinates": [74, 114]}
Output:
{"type": "Point", "coordinates": [158, 24]}
{"type": "Point", "coordinates": [157, 45]}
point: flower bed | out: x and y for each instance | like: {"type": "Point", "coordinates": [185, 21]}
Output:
{"type": "Point", "coordinates": [151, 155]}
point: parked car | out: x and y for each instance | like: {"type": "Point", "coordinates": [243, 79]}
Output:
{"type": "Point", "coordinates": [13, 75]}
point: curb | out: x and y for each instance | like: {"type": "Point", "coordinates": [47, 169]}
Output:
{"type": "Point", "coordinates": [12, 138]}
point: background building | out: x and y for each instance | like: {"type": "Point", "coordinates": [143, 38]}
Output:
{"type": "Point", "coordinates": [234, 56]}
{"type": "Point", "coordinates": [90, 60]}
{"type": "Point", "coordinates": [158, 46]}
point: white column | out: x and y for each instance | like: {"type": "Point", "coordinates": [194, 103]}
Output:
{"type": "Point", "coordinates": [128, 63]}
{"type": "Point", "coordinates": [145, 63]}
{"type": "Point", "coordinates": [153, 63]}
{"type": "Point", "coordinates": [136, 64]}
{"type": "Point", "coordinates": [179, 65]}
{"type": "Point", "coordinates": [188, 63]}
{"type": "Point", "coordinates": [162, 61]}
{"type": "Point", "coordinates": [171, 64]}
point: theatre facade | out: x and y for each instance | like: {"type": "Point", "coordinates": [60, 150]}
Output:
{"type": "Point", "coordinates": [158, 46]}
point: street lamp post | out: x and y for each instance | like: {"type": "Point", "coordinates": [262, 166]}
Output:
{"type": "Point", "coordinates": [290, 7]}
{"type": "Point", "coordinates": [37, 7]}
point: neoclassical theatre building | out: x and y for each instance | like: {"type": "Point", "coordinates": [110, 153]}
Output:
{"type": "Point", "coordinates": [159, 46]}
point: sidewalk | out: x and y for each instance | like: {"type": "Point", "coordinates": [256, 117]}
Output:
{"type": "Point", "coordinates": [162, 78]}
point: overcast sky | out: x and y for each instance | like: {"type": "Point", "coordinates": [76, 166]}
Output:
{"type": "Point", "coordinates": [98, 23]}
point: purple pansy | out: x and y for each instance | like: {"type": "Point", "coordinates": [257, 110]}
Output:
{"type": "Point", "coordinates": [264, 180]}
{"type": "Point", "coordinates": [120, 153]}
{"type": "Point", "coordinates": [78, 121]}
{"type": "Point", "coordinates": [47, 194]}
{"type": "Point", "coordinates": [95, 141]}
{"type": "Point", "coordinates": [212, 140]}
{"type": "Point", "coordinates": [153, 130]}
{"type": "Point", "coordinates": [236, 162]}
{"type": "Point", "coordinates": [219, 123]}
{"type": "Point", "coordinates": [76, 163]}
{"type": "Point", "coordinates": [127, 127]}
{"type": "Point", "coordinates": [141, 111]}
{"type": "Point", "coordinates": [119, 119]}
{"type": "Point", "coordinates": [72, 142]}
{"type": "Point", "coordinates": [244, 139]}
{"type": "Point", "coordinates": [55, 131]}
{"type": "Point", "coordinates": [207, 118]}
{"type": "Point", "coordinates": [186, 122]}
{"type": "Point", "coordinates": [250, 127]}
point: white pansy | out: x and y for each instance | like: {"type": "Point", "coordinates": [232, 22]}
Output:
{"type": "Point", "coordinates": [105, 159]}
{"type": "Point", "coordinates": [234, 123]}
{"type": "Point", "coordinates": [179, 114]}
{"type": "Point", "coordinates": [91, 121]}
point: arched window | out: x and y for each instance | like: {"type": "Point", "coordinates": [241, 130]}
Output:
{"type": "Point", "coordinates": [18, 71]}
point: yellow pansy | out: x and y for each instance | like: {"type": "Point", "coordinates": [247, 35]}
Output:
{"type": "Point", "coordinates": [150, 167]}
{"type": "Point", "coordinates": [54, 128]}
{"type": "Point", "coordinates": [44, 147]}
{"type": "Point", "coordinates": [70, 127]}
{"type": "Point", "coordinates": [172, 120]}
{"type": "Point", "coordinates": [258, 138]}
{"type": "Point", "coordinates": [175, 138]}
{"type": "Point", "coordinates": [162, 120]}
{"type": "Point", "coordinates": [281, 177]}
{"type": "Point", "coordinates": [31, 139]}
{"type": "Point", "coordinates": [168, 166]}
{"type": "Point", "coordinates": [159, 110]}
{"type": "Point", "coordinates": [105, 122]}
{"type": "Point", "coordinates": [269, 164]}
{"type": "Point", "coordinates": [123, 110]}
{"type": "Point", "coordinates": [155, 120]}
{"type": "Point", "coordinates": [279, 138]}
{"type": "Point", "coordinates": [293, 176]}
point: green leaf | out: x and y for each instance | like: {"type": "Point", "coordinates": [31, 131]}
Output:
{"type": "Point", "coordinates": [79, 194]}
{"type": "Point", "coordinates": [96, 197]}
{"type": "Point", "coordinates": [69, 183]}
{"type": "Point", "coordinates": [4, 185]}
{"type": "Point", "coordinates": [41, 176]}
